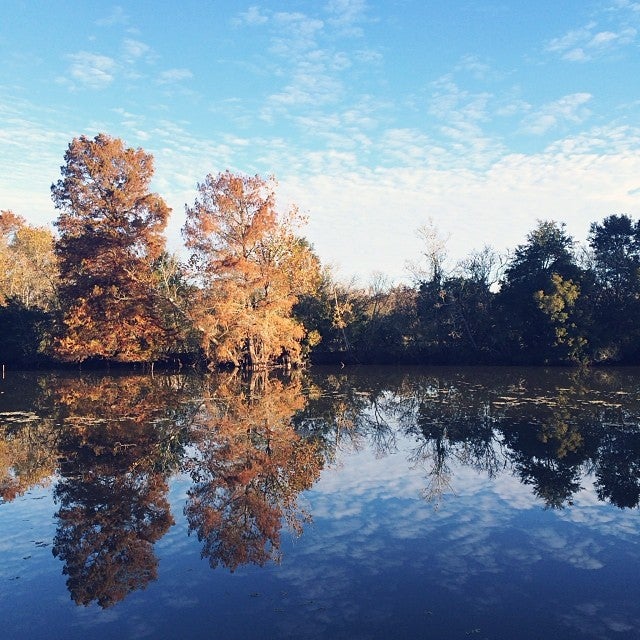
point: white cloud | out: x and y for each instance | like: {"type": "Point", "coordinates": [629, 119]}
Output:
{"type": "Point", "coordinates": [568, 109]}
{"type": "Point", "coordinates": [471, 64]}
{"type": "Point", "coordinates": [174, 75]}
{"type": "Point", "coordinates": [92, 70]}
{"type": "Point", "coordinates": [117, 16]}
{"type": "Point", "coordinates": [345, 14]}
{"type": "Point", "coordinates": [581, 45]}
{"type": "Point", "coordinates": [571, 39]}
{"type": "Point", "coordinates": [608, 38]}
{"type": "Point", "coordinates": [576, 55]}
{"type": "Point", "coordinates": [368, 56]}
{"type": "Point", "coordinates": [369, 217]}
{"type": "Point", "coordinates": [135, 48]}
{"type": "Point", "coordinates": [307, 89]}
{"type": "Point", "coordinates": [295, 33]}
{"type": "Point", "coordinates": [627, 4]}
{"type": "Point", "coordinates": [252, 16]}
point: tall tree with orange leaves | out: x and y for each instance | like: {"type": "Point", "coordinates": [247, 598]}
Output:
{"type": "Point", "coordinates": [251, 268]}
{"type": "Point", "coordinates": [111, 230]}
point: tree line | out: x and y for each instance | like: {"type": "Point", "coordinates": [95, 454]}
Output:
{"type": "Point", "coordinates": [251, 292]}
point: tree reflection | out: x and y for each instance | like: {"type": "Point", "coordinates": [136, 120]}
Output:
{"type": "Point", "coordinates": [108, 523]}
{"type": "Point", "coordinates": [618, 467]}
{"type": "Point", "coordinates": [251, 446]}
{"type": "Point", "coordinates": [28, 436]}
{"type": "Point", "coordinates": [249, 470]}
{"type": "Point", "coordinates": [347, 411]}
{"type": "Point", "coordinates": [27, 453]}
{"type": "Point", "coordinates": [550, 429]}
{"type": "Point", "coordinates": [449, 426]}
{"type": "Point", "coordinates": [120, 439]}
{"type": "Point", "coordinates": [547, 447]}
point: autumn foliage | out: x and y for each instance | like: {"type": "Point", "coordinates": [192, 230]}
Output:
{"type": "Point", "coordinates": [110, 231]}
{"type": "Point", "coordinates": [28, 269]}
{"type": "Point", "coordinates": [250, 467]}
{"type": "Point", "coordinates": [250, 292]}
{"type": "Point", "coordinates": [251, 268]}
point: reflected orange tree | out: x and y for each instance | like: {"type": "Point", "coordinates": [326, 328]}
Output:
{"type": "Point", "coordinates": [249, 470]}
{"type": "Point", "coordinates": [27, 453]}
{"type": "Point", "coordinates": [120, 440]}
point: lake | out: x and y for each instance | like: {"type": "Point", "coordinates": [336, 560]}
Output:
{"type": "Point", "coordinates": [335, 503]}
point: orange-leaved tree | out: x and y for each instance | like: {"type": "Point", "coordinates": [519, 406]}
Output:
{"type": "Point", "coordinates": [250, 267]}
{"type": "Point", "coordinates": [111, 230]}
{"type": "Point", "coordinates": [28, 269]}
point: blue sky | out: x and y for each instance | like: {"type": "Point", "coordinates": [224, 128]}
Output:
{"type": "Point", "coordinates": [375, 117]}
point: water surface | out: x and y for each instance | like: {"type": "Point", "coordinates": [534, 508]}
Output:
{"type": "Point", "coordinates": [352, 503]}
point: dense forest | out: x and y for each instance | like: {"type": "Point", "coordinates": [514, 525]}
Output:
{"type": "Point", "coordinates": [251, 293]}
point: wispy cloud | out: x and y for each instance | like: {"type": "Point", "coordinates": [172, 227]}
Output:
{"type": "Point", "coordinates": [135, 48]}
{"type": "Point", "coordinates": [116, 16]}
{"type": "Point", "coordinates": [461, 116]}
{"type": "Point", "coordinates": [91, 70]}
{"type": "Point", "coordinates": [472, 64]}
{"type": "Point", "coordinates": [585, 43]}
{"type": "Point", "coordinates": [450, 102]}
{"type": "Point", "coordinates": [569, 109]}
{"type": "Point", "coordinates": [252, 16]}
{"type": "Point", "coordinates": [171, 76]}
{"type": "Point", "coordinates": [346, 14]}
{"type": "Point", "coordinates": [295, 34]}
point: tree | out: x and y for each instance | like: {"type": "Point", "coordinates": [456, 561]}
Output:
{"type": "Point", "coordinates": [529, 327]}
{"type": "Point", "coordinates": [559, 307]}
{"type": "Point", "coordinates": [28, 269]}
{"type": "Point", "coordinates": [251, 269]}
{"type": "Point", "coordinates": [429, 274]}
{"type": "Point", "coordinates": [615, 244]}
{"type": "Point", "coordinates": [28, 289]}
{"type": "Point", "coordinates": [111, 230]}
{"type": "Point", "coordinates": [171, 283]}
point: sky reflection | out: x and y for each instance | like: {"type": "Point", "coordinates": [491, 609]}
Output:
{"type": "Point", "coordinates": [418, 518]}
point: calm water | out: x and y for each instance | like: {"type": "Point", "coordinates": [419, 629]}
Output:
{"type": "Point", "coordinates": [353, 503]}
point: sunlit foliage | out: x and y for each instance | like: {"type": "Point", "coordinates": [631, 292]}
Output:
{"type": "Point", "coordinates": [110, 232]}
{"type": "Point", "coordinates": [251, 269]}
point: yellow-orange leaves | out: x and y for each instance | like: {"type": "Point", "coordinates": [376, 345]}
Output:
{"type": "Point", "coordinates": [111, 230]}
{"type": "Point", "coordinates": [250, 268]}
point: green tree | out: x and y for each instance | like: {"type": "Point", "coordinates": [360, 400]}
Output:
{"type": "Point", "coordinates": [528, 329]}
{"type": "Point", "coordinates": [615, 244]}
{"type": "Point", "coordinates": [455, 311]}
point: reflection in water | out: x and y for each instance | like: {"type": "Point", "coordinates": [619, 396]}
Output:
{"type": "Point", "coordinates": [550, 428]}
{"type": "Point", "coordinates": [27, 453]}
{"type": "Point", "coordinates": [107, 527]}
{"type": "Point", "coordinates": [249, 469]}
{"type": "Point", "coordinates": [250, 447]}
{"type": "Point", "coordinates": [120, 438]}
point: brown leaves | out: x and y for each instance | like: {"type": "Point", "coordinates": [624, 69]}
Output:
{"type": "Point", "coordinates": [251, 467]}
{"type": "Point", "coordinates": [111, 230]}
{"type": "Point", "coordinates": [251, 268]}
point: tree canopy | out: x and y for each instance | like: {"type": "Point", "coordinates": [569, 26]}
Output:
{"type": "Point", "coordinates": [111, 228]}
{"type": "Point", "coordinates": [251, 269]}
